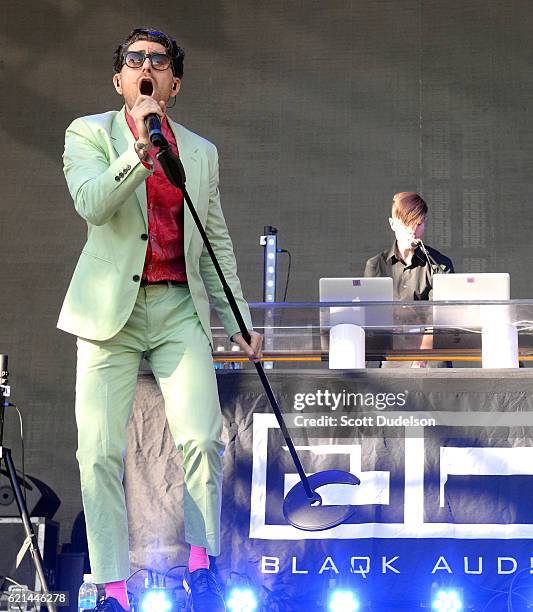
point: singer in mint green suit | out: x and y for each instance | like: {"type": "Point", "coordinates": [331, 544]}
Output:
{"type": "Point", "coordinates": [117, 322]}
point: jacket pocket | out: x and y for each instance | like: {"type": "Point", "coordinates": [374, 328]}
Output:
{"type": "Point", "coordinates": [99, 257]}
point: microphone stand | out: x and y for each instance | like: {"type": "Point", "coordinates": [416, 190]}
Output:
{"type": "Point", "coordinates": [435, 269]}
{"type": "Point", "coordinates": [5, 455]}
{"type": "Point", "coordinates": [431, 261]}
{"type": "Point", "coordinates": [302, 507]}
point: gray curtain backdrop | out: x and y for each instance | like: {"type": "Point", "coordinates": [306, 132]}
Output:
{"type": "Point", "coordinates": [321, 112]}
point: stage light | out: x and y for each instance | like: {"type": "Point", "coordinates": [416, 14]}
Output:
{"type": "Point", "coordinates": [447, 600]}
{"type": "Point", "coordinates": [156, 600]}
{"type": "Point", "coordinates": [241, 600]}
{"type": "Point", "coordinates": [342, 600]}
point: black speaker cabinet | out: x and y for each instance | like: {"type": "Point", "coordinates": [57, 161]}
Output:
{"type": "Point", "coordinates": [70, 570]}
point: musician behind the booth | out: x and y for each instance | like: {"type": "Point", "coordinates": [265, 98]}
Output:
{"type": "Point", "coordinates": [409, 262]}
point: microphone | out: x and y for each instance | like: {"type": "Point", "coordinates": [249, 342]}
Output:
{"type": "Point", "coordinates": [153, 125]}
{"type": "Point", "coordinates": [415, 242]}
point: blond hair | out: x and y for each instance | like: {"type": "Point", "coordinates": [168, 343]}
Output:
{"type": "Point", "coordinates": [409, 208]}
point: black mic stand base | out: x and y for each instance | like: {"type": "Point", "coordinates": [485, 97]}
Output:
{"type": "Point", "coordinates": [309, 515]}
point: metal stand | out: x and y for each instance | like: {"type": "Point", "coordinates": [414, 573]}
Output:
{"type": "Point", "coordinates": [30, 543]}
{"type": "Point", "coordinates": [269, 241]}
{"type": "Point", "coordinates": [302, 506]}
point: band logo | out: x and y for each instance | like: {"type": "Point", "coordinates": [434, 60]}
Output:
{"type": "Point", "coordinates": [419, 485]}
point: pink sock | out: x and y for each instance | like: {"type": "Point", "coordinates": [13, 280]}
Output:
{"type": "Point", "coordinates": [119, 592]}
{"type": "Point", "coordinates": [198, 558]}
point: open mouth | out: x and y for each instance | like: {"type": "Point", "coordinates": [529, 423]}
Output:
{"type": "Point", "coordinates": [146, 87]}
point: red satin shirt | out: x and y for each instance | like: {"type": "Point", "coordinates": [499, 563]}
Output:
{"type": "Point", "coordinates": [165, 257]}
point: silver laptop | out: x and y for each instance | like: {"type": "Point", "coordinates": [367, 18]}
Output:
{"type": "Point", "coordinates": [356, 290]}
{"type": "Point", "coordinates": [475, 287]}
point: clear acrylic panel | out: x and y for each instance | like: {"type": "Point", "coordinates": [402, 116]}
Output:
{"type": "Point", "coordinates": [299, 331]}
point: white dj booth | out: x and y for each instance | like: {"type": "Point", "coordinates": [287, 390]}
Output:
{"type": "Point", "coordinates": [471, 321]}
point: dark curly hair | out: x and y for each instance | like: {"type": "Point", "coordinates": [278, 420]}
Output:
{"type": "Point", "coordinates": [176, 53]}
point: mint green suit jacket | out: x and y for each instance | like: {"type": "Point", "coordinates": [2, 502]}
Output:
{"type": "Point", "coordinates": [107, 182]}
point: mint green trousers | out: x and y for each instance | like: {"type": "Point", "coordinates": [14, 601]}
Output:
{"type": "Point", "coordinates": [165, 329]}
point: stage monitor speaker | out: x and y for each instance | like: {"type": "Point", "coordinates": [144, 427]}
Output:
{"type": "Point", "coordinates": [12, 536]}
{"type": "Point", "coordinates": [40, 498]}
{"type": "Point", "coordinates": [70, 569]}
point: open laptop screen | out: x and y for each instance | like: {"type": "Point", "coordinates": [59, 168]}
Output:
{"type": "Point", "coordinates": [357, 290]}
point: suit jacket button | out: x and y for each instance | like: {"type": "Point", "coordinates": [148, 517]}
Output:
{"type": "Point", "coordinates": [128, 167]}
{"type": "Point", "coordinates": [117, 178]}
{"type": "Point", "coordinates": [121, 174]}
{"type": "Point", "coordinates": [136, 278]}
{"type": "Point", "coordinates": [144, 236]}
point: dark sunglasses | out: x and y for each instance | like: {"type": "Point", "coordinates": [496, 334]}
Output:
{"type": "Point", "coordinates": [135, 59]}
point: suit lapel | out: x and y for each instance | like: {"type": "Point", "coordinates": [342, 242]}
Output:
{"type": "Point", "coordinates": [190, 159]}
{"type": "Point", "coordinates": [122, 140]}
